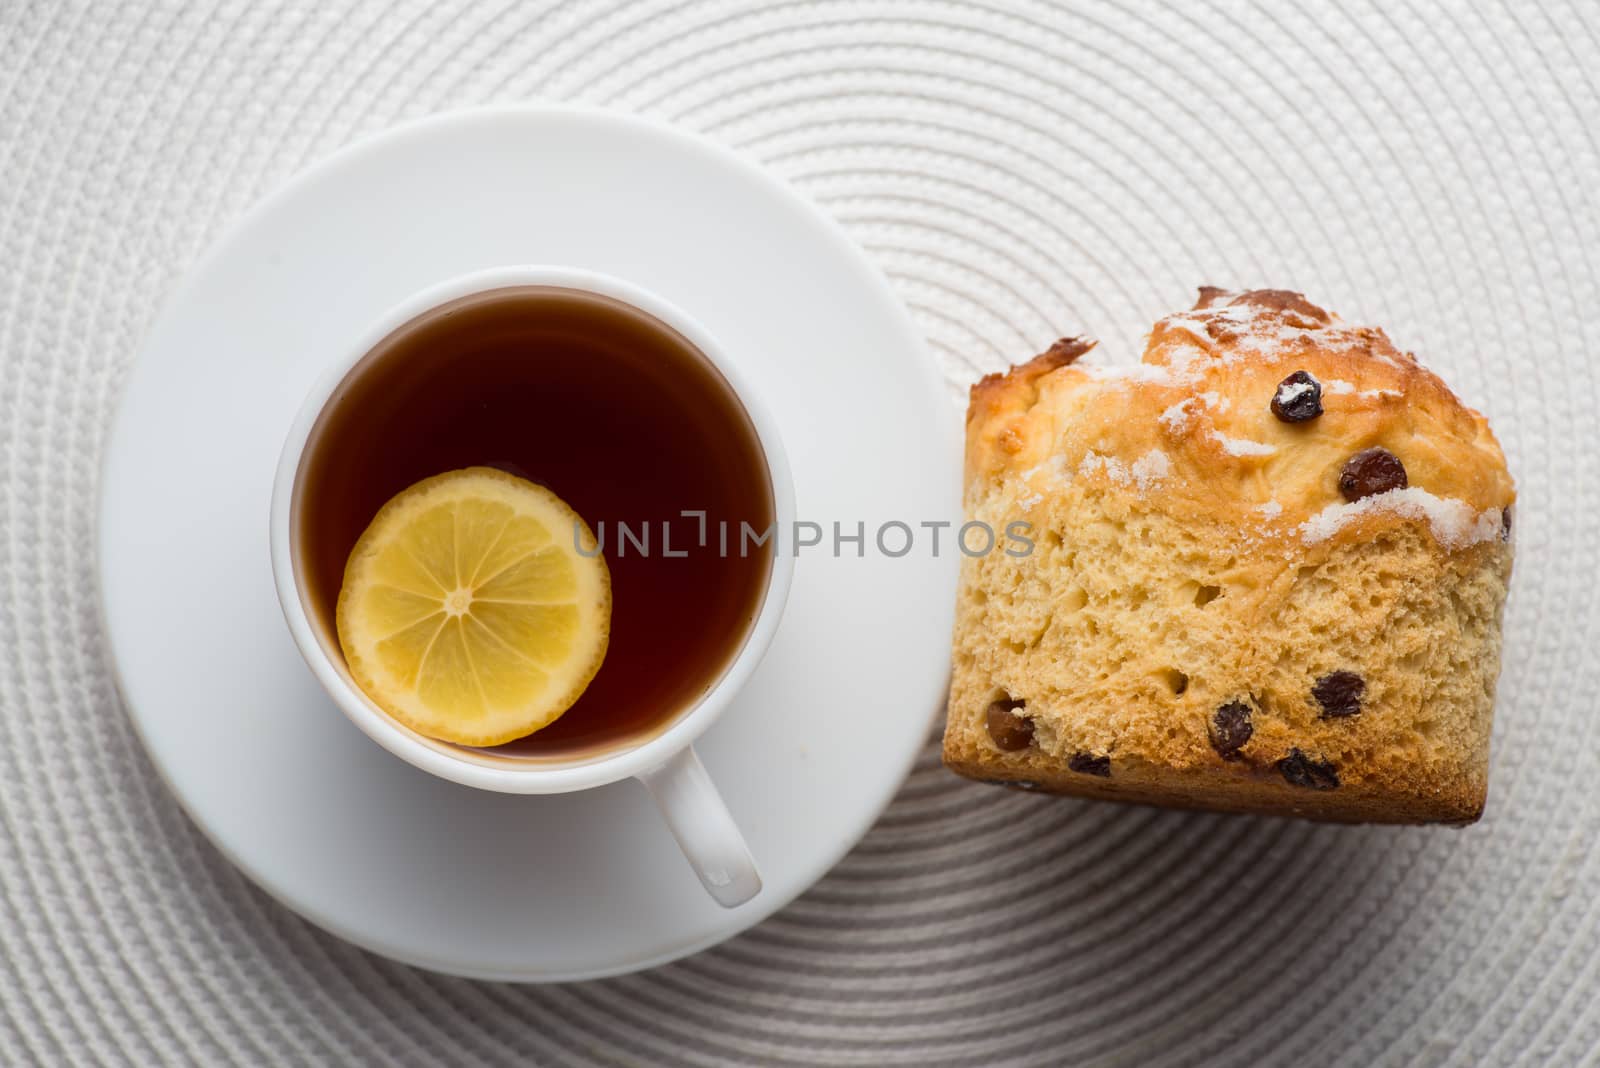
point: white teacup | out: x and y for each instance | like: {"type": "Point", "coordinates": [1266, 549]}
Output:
{"type": "Point", "coordinates": [665, 762]}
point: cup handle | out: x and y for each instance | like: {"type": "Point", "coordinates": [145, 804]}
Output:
{"type": "Point", "coordinates": [704, 828]}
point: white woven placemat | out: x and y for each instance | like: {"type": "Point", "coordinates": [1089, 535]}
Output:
{"type": "Point", "coordinates": [1020, 170]}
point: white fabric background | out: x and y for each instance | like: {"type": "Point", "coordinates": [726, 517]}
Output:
{"type": "Point", "coordinates": [1020, 170]}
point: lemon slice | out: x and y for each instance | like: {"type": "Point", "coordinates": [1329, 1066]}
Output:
{"type": "Point", "coordinates": [467, 611]}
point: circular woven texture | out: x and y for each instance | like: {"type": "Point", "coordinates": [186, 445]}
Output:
{"type": "Point", "coordinates": [1020, 171]}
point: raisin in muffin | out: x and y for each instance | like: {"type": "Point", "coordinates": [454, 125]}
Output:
{"type": "Point", "coordinates": [1267, 574]}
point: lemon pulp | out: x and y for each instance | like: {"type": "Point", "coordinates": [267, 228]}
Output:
{"type": "Point", "coordinates": [468, 612]}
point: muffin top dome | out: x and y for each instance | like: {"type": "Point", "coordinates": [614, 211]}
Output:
{"type": "Point", "coordinates": [1257, 410]}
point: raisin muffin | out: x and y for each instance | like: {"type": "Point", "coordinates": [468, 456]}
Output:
{"type": "Point", "coordinates": [1266, 573]}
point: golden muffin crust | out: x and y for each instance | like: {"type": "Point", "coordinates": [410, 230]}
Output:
{"type": "Point", "coordinates": [1220, 610]}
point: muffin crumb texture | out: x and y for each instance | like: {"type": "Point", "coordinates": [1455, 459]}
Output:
{"type": "Point", "coordinates": [1268, 568]}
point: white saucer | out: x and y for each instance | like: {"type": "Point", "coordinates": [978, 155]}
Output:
{"type": "Point", "coordinates": [440, 875]}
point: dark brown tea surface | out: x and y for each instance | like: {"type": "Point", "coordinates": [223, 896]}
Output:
{"type": "Point", "coordinates": [617, 414]}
